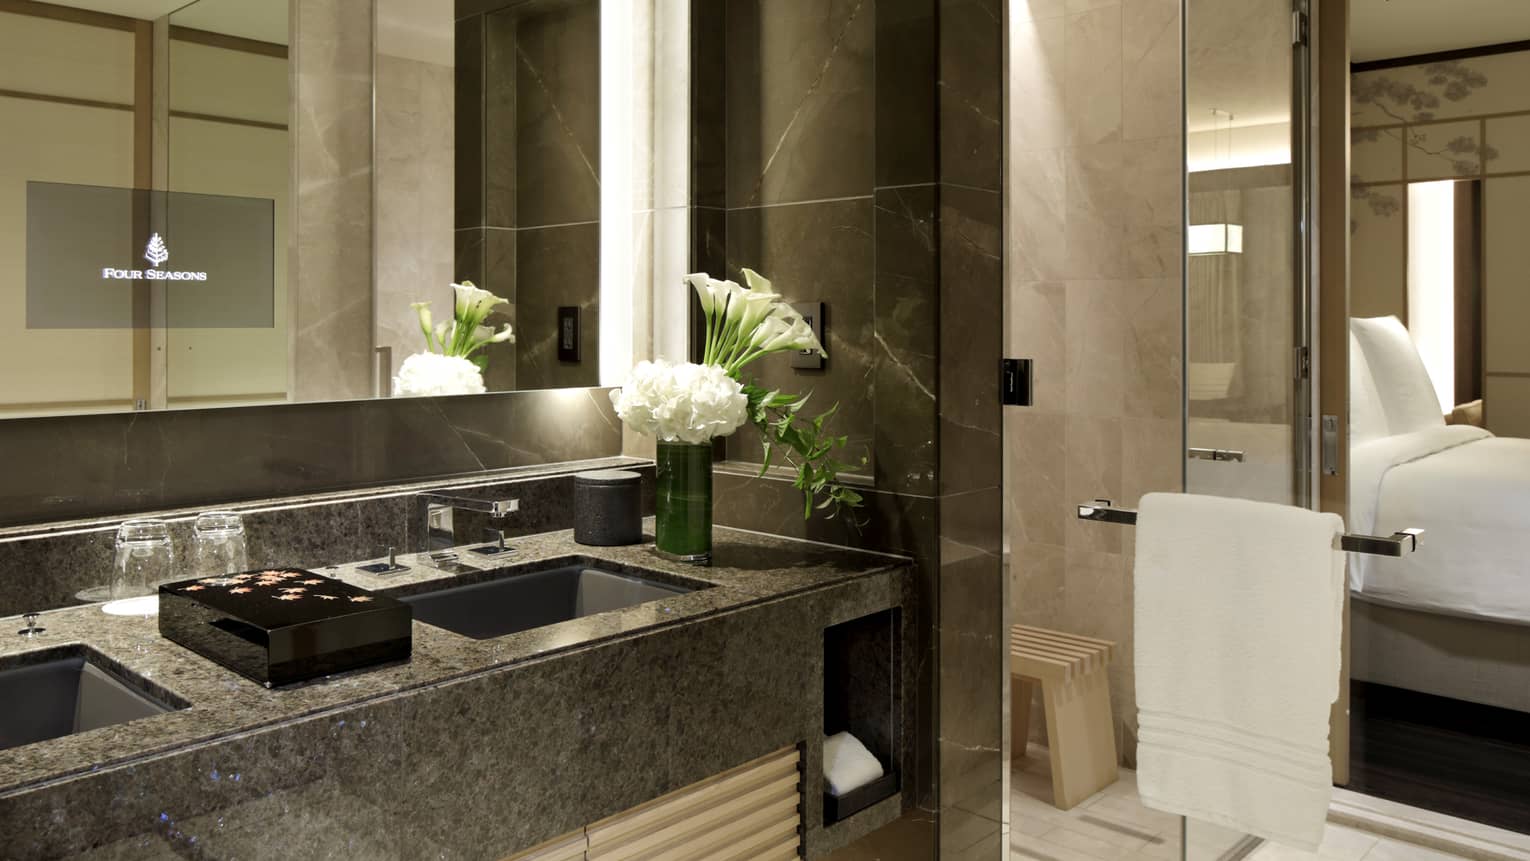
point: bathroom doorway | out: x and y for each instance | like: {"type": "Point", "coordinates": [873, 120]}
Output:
{"type": "Point", "coordinates": [1439, 405]}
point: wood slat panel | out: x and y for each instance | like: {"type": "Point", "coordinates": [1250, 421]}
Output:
{"type": "Point", "coordinates": [569, 847]}
{"type": "Point", "coordinates": [755, 808]}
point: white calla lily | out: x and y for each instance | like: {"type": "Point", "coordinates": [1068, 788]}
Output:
{"type": "Point", "coordinates": [473, 303]}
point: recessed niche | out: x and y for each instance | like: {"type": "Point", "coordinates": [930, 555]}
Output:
{"type": "Point", "coordinates": [862, 696]}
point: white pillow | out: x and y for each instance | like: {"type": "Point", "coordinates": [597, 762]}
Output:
{"type": "Point", "coordinates": [1367, 418]}
{"type": "Point", "coordinates": [1407, 396]}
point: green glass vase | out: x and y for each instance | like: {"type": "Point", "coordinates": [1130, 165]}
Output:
{"type": "Point", "coordinates": [684, 517]}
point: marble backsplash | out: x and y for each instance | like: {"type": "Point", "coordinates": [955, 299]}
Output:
{"type": "Point", "coordinates": [46, 567]}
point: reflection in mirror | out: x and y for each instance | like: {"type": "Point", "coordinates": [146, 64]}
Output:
{"type": "Point", "coordinates": [228, 151]}
{"type": "Point", "coordinates": [143, 205]}
{"type": "Point", "coordinates": [1239, 284]}
{"type": "Point", "coordinates": [1439, 401]}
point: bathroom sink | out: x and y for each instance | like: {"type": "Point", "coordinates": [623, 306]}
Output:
{"type": "Point", "coordinates": [524, 601]}
{"type": "Point", "coordinates": [65, 690]}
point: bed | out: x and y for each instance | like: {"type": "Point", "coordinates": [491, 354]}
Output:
{"type": "Point", "coordinates": [1451, 617]}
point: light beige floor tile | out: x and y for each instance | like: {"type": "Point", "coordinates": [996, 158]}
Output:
{"type": "Point", "coordinates": [1341, 843]}
{"type": "Point", "coordinates": [1392, 850]}
{"type": "Point", "coordinates": [1127, 810]}
{"type": "Point", "coordinates": [1091, 845]}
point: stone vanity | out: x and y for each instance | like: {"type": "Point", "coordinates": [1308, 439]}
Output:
{"type": "Point", "coordinates": [481, 748]}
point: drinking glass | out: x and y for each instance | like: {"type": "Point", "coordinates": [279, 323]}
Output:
{"type": "Point", "coordinates": [217, 544]}
{"type": "Point", "coordinates": [145, 558]}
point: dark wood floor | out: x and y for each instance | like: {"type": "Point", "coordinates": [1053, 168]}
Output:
{"type": "Point", "coordinates": [1464, 759]}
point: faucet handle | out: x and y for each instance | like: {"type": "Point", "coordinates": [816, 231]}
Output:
{"type": "Point", "coordinates": [502, 507]}
{"type": "Point", "coordinates": [31, 630]}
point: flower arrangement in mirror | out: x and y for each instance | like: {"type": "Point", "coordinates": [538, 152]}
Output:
{"type": "Point", "coordinates": [451, 363]}
{"type": "Point", "coordinates": [687, 405]}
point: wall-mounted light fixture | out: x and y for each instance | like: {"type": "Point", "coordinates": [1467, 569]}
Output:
{"type": "Point", "coordinates": [1215, 239]}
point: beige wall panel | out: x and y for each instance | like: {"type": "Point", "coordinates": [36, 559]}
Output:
{"type": "Point", "coordinates": [220, 158]}
{"type": "Point", "coordinates": [61, 143]}
{"type": "Point", "coordinates": [225, 83]}
{"type": "Point", "coordinates": [1444, 150]}
{"type": "Point", "coordinates": [1376, 155]}
{"type": "Point", "coordinates": [58, 58]}
{"type": "Point", "coordinates": [1506, 271]}
{"type": "Point", "coordinates": [1378, 267]}
{"type": "Point", "coordinates": [1507, 401]}
{"type": "Point", "coordinates": [1510, 138]}
{"type": "Point", "coordinates": [1477, 85]}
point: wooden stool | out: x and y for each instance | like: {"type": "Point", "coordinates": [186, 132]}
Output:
{"type": "Point", "coordinates": [1075, 691]}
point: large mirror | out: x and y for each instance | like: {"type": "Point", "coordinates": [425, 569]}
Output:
{"type": "Point", "coordinates": [195, 211]}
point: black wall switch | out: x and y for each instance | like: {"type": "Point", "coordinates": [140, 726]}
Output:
{"type": "Point", "coordinates": [568, 333]}
{"type": "Point", "coordinates": [812, 314]}
{"type": "Point", "coordinates": [1015, 388]}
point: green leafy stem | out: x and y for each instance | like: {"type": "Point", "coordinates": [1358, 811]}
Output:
{"type": "Point", "coordinates": [806, 447]}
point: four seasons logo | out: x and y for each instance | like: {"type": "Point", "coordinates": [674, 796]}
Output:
{"type": "Point", "coordinates": [156, 253]}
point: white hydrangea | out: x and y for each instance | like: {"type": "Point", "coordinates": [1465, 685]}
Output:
{"type": "Point", "coordinates": [681, 402]}
{"type": "Point", "coordinates": [426, 374]}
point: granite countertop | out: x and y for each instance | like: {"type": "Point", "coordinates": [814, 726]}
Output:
{"type": "Point", "coordinates": [748, 568]}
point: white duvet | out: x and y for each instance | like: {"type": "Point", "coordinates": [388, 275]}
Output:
{"type": "Point", "coordinates": [1470, 491]}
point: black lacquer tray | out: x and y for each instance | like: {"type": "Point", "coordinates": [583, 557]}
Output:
{"type": "Point", "coordinates": [284, 625]}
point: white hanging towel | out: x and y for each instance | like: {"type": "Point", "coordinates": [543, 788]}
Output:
{"type": "Point", "coordinates": [1238, 619]}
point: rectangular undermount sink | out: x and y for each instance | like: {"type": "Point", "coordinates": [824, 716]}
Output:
{"type": "Point", "coordinates": [70, 689]}
{"type": "Point", "coordinates": [521, 602]}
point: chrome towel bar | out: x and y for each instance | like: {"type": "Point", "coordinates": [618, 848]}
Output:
{"type": "Point", "coordinates": [1396, 544]}
{"type": "Point", "coordinates": [1219, 454]}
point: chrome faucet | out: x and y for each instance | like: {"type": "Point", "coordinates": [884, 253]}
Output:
{"type": "Point", "coordinates": [433, 518]}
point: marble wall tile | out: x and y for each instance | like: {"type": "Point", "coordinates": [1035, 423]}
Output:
{"type": "Point", "coordinates": [1095, 213]}
{"type": "Point", "coordinates": [1092, 92]}
{"type": "Point", "coordinates": [468, 255]}
{"type": "Point", "coordinates": [468, 122]}
{"type": "Point", "coordinates": [709, 105]}
{"type": "Point", "coordinates": [500, 124]}
{"type": "Point", "coordinates": [1150, 70]}
{"type": "Point", "coordinates": [972, 93]}
{"type": "Point", "coordinates": [1037, 218]}
{"type": "Point", "coordinates": [800, 103]}
{"type": "Point", "coordinates": [1037, 314]}
{"type": "Point", "coordinates": [1151, 175]}
{"type": "Point", "coordinates": [972, 337]}
{"type": "Point", "coordinates": [1037, 490]}
{"type": "Point", "coordinates": [331, 259]}
{"type": "Point", "coordinates": [1097, 330]}
{"type": "Point", "coordinates": [1093, 472]}
{"type": "Point", "coordinates": [906, 92]}
{"type": "Point", "coordinates": [557, 105]}
{"type": "Point", "coordinates": [1037, 77]}
{"type": "Point", "coordinates": [820, 252]}
{"type": "Point", "coordinates": [556, 266]}
{"type": "Point", "coordinates": [1037, 10]}
{"type": "Point", "coordinates": [904, 330]}
{"type": "Point", "coordinates": [1153, 367]}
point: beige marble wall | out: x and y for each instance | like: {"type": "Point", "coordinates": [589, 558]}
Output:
{"type": "Point", "coordinates": [330, 264]}
{"type": "Point", "coordinates": [414, 180]}
{"type": "Point", "coordinates": [1093, 296]}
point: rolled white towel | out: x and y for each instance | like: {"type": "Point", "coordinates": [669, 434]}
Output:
{"type": "Point", "coordinates": [847, 764]}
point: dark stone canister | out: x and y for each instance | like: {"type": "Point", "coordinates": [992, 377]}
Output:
{"type": "Point", "coordinates": [608, 508]}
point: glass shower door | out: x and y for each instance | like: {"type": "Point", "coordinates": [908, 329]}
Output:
{"type": "Point", "coordinates": [1245, 273]}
